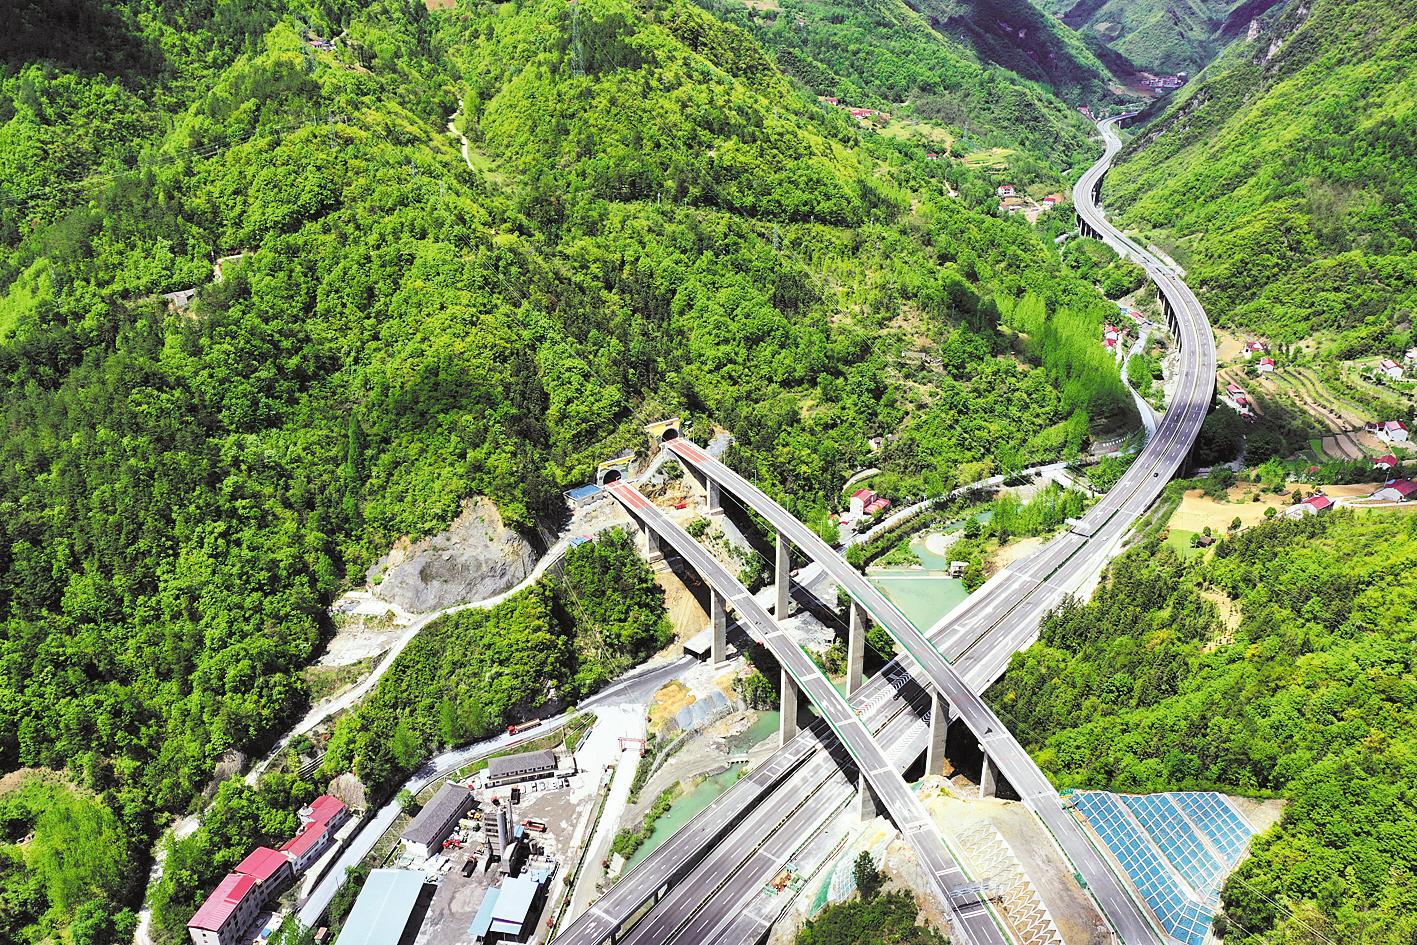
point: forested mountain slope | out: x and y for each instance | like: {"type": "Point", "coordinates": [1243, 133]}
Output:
{"type": "Point", "coordinates": [1285, 178]}
{"type": "Point", "coordinates": [1282, 665]}
{"type": "Point", "coordinates": [651, 218]}
{"type": "Point", "coordinates": [1163, 36]}
{"type": "Point", "coordinates": [963, 66]}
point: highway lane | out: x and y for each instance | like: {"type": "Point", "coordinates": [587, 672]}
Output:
{"type": "Point", "coordinates": [982, 645]}
{"type": "Point", "coordinates": [881, 773]}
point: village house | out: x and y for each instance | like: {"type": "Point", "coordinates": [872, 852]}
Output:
{"type": "Point", "coordinates": [1391, 431]}
{"type": "Point", "coordinates": [1266, 365]}
{"type": "Point", "coordinates": [1253, 348]}
{"type": "Point", "coordinates": [318, 824]}
{"type": "Point", "coordinates": [1310, 506]}
{"type": "Point", "coordinates": [1006, 190]}
{"type": "Point", "coordinates": [1396, 490]}
{"type": "Point", "coordinates": [1391, 368]}
{"type": "Point", "coordinates": [865, 502]}
{"type": "Point", "coordinates": [227, 914]}
{"type": "Point", "coordinates": [1385, 462]}
{"type": "Point", "coordinates": [1111, 335]}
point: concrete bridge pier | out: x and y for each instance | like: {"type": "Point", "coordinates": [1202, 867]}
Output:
{"type": "Point", "coordinates": [939, 732]}
{"type": "Point", "coordinates": [868, 806]}
{"type": "Point", "coordinates": [988, 779]}
{"type": "Point", "coordinates": [855, 648]}
{"type": "Point", "coordinates": [654, 553]}
{"type": "Point", "coordinates": [713, 494]}
{"type": "Point", "coordinates": [790, 698]}
{"type": "Point", "coordinates": [718, 614]}
{"type": "Point", "coordinates": [783, 577]}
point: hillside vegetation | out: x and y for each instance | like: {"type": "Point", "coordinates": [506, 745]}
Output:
{"type": "Point", "coordinates": [651, 219]}
{"type": "Point", "coordinates": [944, 63]}
{"type": "Point", "coordinates": [1306, 691]}
{"type": "Point", "coordinates": [1162, 36]}
{"type": "Point", "coordinates": [1285, 178]}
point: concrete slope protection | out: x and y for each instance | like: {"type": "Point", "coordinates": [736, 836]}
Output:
{"type": "Point", "coordinates": [878, 771]}
{"type": "Point", "coordinates": [979, 638]}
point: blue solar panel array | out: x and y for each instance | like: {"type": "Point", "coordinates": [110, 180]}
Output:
{"type": "Point", "coordinates": [1177, 848]}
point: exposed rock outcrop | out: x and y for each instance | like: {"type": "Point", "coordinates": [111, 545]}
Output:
{"type": "Point", "coordinates": [476, 558]}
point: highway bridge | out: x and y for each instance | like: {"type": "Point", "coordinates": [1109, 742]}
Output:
{"type": "Point", "coordinates": [879, 774]}
{"type": "Point", "coordinates": [725, 868]}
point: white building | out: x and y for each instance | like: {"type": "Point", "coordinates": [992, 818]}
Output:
{"type": "Point", "coordinates": [1393, 431]}
{"type": "Point", "coordinates": [1391, 368]}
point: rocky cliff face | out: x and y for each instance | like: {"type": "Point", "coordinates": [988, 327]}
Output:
{"type": "Point", "coordinates": [476, 558]}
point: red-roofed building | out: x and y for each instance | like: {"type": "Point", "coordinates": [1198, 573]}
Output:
{"type": "Point", "coordinates": [1391, 368]}
{"type": "Point", "coordinates": [1310, 506]}
{"type": "Point", "coordinates": [326, 809]}
{"type": "Point", "coordinates": [1253, 348]}
{"type": "Point", "coordinates": [1266, 365]}
{"type": "Point", "coordinates": [267, 867]}
{"type": "Point", "coordinates": [860, 499]}
{"type": "Point", "coordinates": [318, 824]}
{"type": "Point", "coordinates": [1006, 190]}
{"type": "Point", "coordinates": [306, 846]}
{"type": "Point", "coordinates": [1396, 490]}
{"type": "Point", "coordinates": [880, 505]}
{"type": "Point", "coordinates": [228, 913]}
{"type": "Point", "coordinates": [1385, 462]}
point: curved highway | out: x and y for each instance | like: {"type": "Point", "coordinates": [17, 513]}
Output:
{"type": "Point", "coordinates": [979, 638]}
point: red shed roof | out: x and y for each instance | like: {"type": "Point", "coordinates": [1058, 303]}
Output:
{"type": "Point", "coordinates": [222, 902]}
{"type": "Point", "coordinates": [1389, 461]}
{"type": "Point", "coordinates": [1319, 502]}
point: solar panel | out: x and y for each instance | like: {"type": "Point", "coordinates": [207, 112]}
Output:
{"type": "Point", "coordinates": [1175, 847]}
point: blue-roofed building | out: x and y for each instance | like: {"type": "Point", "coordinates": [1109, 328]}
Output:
{"type": "Point", "coordinates": [482, 922]}
{"type": "Point", "coordinates": [382, 913]}
{"type": "Point", "coordinates": [508, 912]}
{"type": "Point", "coordinates": [582, 495]}
{"type": "Point", "coordinates": [1177, 850]}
